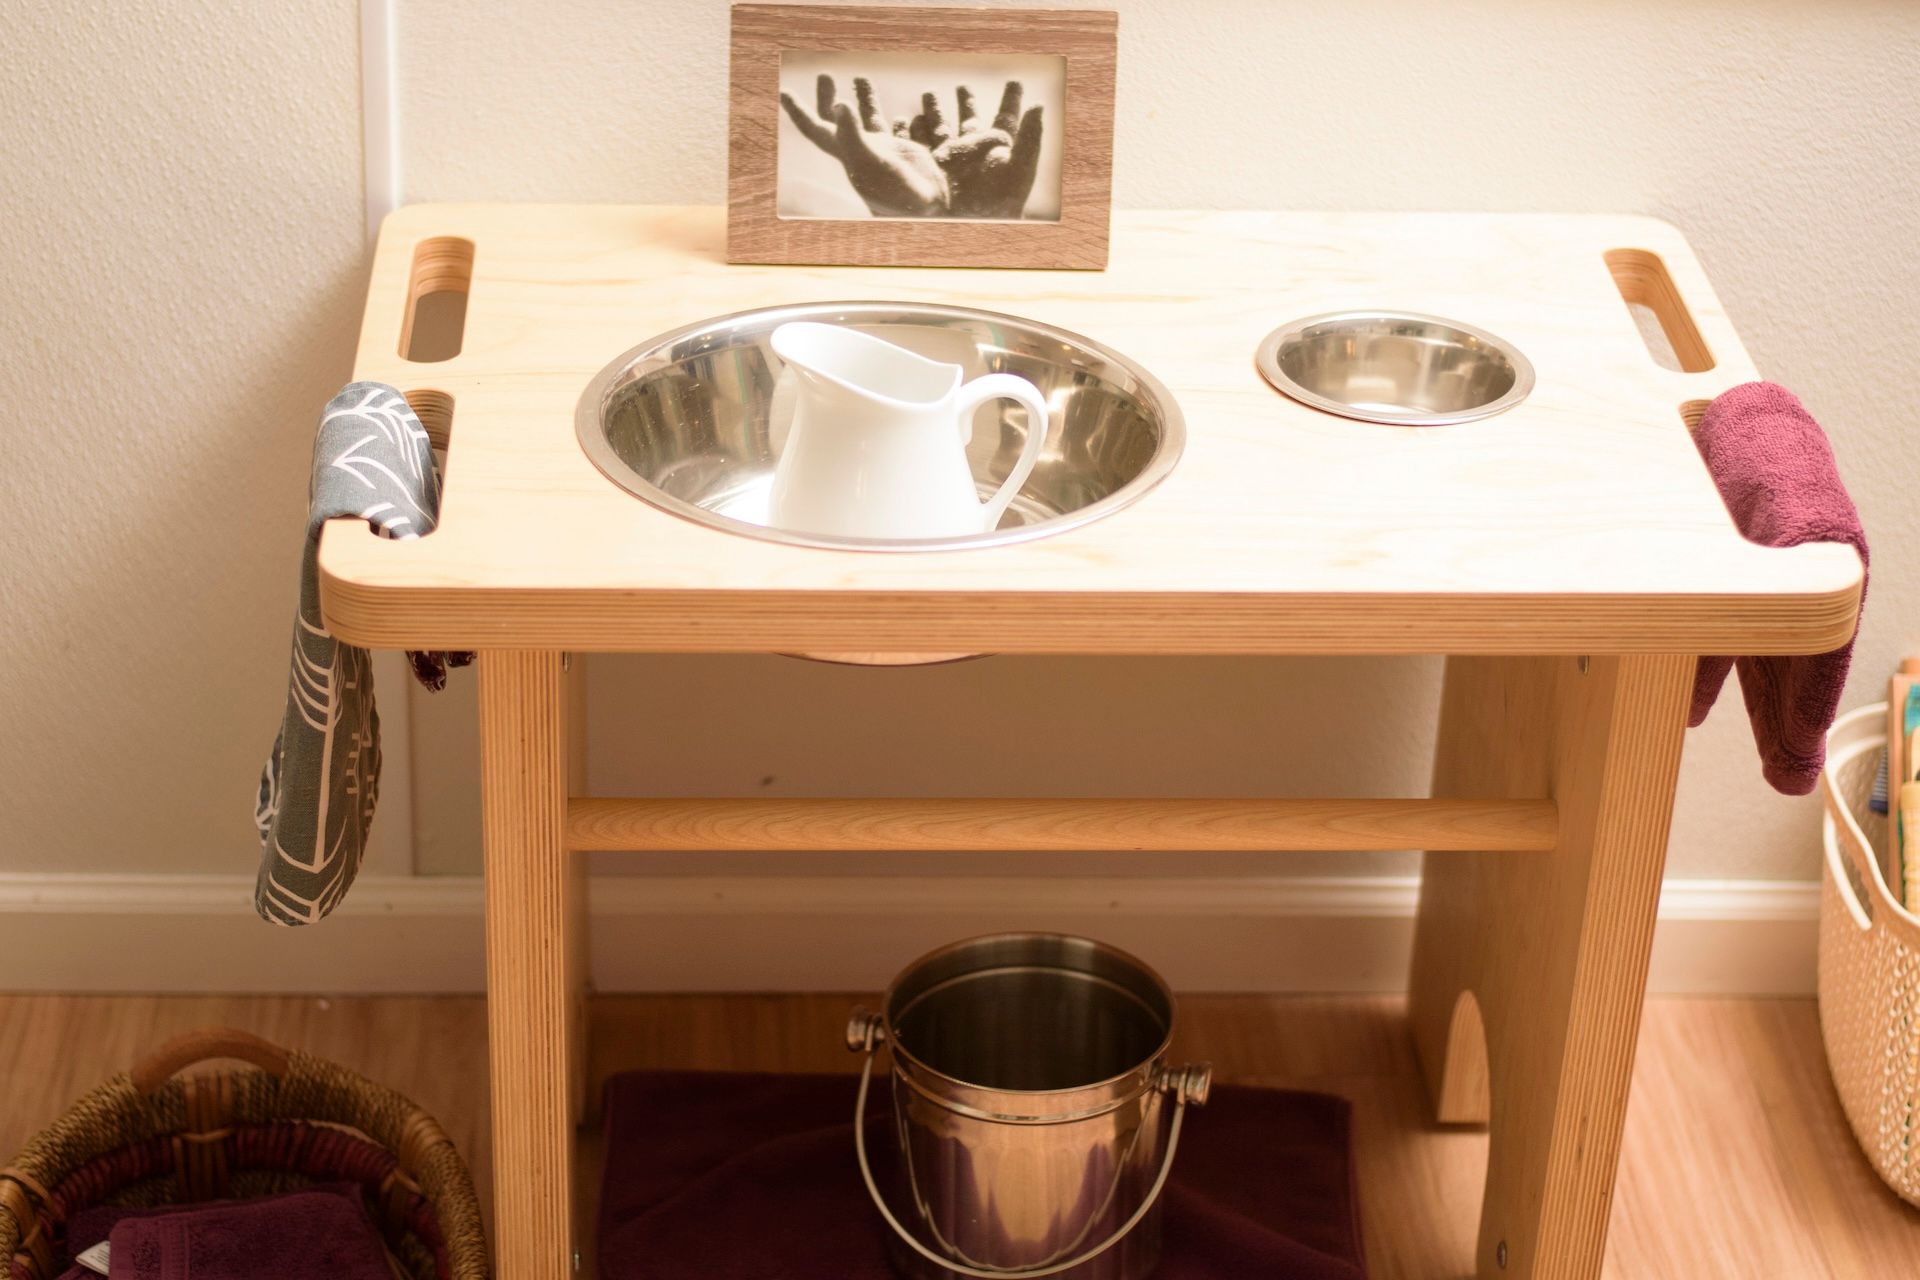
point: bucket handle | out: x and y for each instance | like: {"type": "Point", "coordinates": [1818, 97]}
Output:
{"type": "Point", "coordinates": [1187, 1085]}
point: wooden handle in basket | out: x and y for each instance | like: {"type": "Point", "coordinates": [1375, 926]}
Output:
{"type": "Point", "coordinates": [204, 1045]}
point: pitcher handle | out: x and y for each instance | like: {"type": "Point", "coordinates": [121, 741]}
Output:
{"type": "Point", "coordinates": [1006, 386]}
{"type": "Point", "coordinates": [1188, 1084]}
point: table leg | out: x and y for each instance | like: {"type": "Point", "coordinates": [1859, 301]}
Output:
{"type": "Point", "coordinates": [1529, 972]}
{"type": "Point", "coordinates": [535, 954]}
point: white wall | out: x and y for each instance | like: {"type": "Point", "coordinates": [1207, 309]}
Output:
{"type": "Point", "coordinates": [181, 258]}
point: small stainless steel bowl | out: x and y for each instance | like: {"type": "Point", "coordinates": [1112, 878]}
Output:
{"type": "Point", "coordinates": [692, 421]}
{"type": "Point", "coordinates": [1395, 367]}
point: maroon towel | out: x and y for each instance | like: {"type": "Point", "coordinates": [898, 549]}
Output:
{"type": "Point", "coordinates": [715, 1176]}
{"type": "Point", "coordinates": [1776, 473]}
{"type": "Point", "coordinates": [321, 1233]}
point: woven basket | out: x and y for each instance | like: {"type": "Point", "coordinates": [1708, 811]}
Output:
{"type": "Point", "coordinates": [1869, 962]}
{"type": "Point", "coordinates": [151, 1137]}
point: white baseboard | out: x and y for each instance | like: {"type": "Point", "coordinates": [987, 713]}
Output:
{"type": "Point", "coordinates": [826, 933]}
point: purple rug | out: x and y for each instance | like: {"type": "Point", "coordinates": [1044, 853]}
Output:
{"type": "Point", "coordinates": [713, 1176]}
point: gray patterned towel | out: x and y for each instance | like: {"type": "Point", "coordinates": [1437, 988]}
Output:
{"type": "Point", "coordinates": [372, 459]}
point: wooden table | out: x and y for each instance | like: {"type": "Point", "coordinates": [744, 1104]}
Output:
{"type": "Point", "coordinates": [1571, 556]}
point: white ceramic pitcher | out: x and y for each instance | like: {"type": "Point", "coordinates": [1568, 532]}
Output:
{"type": "Point", "coordinates": [878, 445]}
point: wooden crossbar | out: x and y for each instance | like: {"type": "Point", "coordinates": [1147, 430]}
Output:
{"type": "Point", "coordinates": [1085, 826]}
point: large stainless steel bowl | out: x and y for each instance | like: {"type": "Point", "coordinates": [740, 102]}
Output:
{"type": "Point", "coordinates": [693, 420]}
{"type": "Point", "coordinates": [1395, 367]}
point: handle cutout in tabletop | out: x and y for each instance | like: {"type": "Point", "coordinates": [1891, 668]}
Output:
{"type": "Point", "coordinates": [436, 321]}
{"type": "Point", "coordinates": [1691, 411]}
{"type": "Point", "coordinates": [1658, 310]}
{"type": "Point", "coordinates": [435, 411]}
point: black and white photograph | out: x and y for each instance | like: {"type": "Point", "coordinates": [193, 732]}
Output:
{"type": "Point", "coordinates": [898, 135]}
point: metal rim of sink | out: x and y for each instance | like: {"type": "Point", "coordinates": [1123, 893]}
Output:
{"type": "Point", "coordinates": [703, 337]}
{"type": "Point", "coordinates": [1464, 343]}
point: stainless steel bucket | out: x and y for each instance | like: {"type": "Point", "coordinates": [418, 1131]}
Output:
{"type": "Point", "coordinates": [1030, 1085]}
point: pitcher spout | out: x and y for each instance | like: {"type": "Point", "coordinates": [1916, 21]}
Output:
{"type": "Point", "coordinates": [861, 364]}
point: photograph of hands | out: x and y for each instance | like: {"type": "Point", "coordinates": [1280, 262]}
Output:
{"type": "Point", "coordinates": [847, 149]}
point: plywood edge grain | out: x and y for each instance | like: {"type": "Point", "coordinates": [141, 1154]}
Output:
{"type": "Point", "coordinates": [633, 621]}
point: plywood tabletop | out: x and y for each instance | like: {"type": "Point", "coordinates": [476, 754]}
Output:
{"type": "Point", "coordinates": [1581, 521]}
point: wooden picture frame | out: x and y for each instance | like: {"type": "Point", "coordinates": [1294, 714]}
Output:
{"type": "Point", "coordinates": [902, 215]}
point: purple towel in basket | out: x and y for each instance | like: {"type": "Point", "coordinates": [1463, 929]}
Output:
{"type": "Point", "coordinates": [320, 1233]}
{"type": "Point", "coordinates": [1776, 473]}
{"type": "Point", "coordinates": [714, 1176]}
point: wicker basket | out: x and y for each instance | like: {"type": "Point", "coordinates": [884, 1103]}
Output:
{"type": "Point", "coordinates": [151, 1137]}
{"type": "Point", "coordinates": [1869, 962]}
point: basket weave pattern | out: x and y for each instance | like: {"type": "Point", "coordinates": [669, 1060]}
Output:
{"type": "Point", "coordinates": [1869, 964]}
{"type": "Point", "coordinates": [237, 1133]}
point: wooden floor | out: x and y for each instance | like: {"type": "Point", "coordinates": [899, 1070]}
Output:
{"type": "Point", "coordinates": [1737, 1163]}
